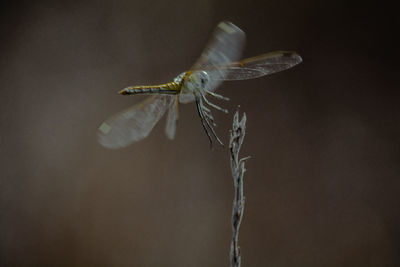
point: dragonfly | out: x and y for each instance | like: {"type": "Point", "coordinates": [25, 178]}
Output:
{"type": "Point", "coordinates": [219, 61]}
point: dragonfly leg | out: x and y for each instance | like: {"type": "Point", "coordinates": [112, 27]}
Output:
{"type": "Point", "coordinates": [206, 113]}
{"type": "Point", "coordinates": [206, 109]}
{"type": "Point", "coordinates": [205, 119]}
{"type": "Point", "coordinates": [202, 120]}
{"type": "Point", "coordinates": [213, 132]}
{"type": "Point", "coordinates": [217, 95]}
{"type": "Point", "coordinates": [209, 116]}
{"type": "Point", "coordinates": [213, 105]}
{"type": "Point", "coordinates": [209, 125]}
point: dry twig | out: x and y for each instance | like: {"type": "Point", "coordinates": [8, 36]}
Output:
{"type": "Point", "coordinates": [238, 168]}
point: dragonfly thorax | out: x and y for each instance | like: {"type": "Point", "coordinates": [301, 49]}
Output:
{"type": "Point", "coordinates": [195, 82]}
{"type": "Point", "coordinates": [178, 79]}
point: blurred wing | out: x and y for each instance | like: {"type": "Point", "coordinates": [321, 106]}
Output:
{"type": "Point", "coordinates": [225, 46]}
{"type": "Point", "coordinates": [172, 118]}
{"type": "Point", "coordinates": [134, 123]}
{"type": "Point", "coordinates": [258, 66]}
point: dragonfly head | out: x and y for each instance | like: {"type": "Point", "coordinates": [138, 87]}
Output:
{"type": "Point", "coordinates": [203, 79]}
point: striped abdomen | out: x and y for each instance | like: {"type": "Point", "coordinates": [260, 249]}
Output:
{"type": "Point", "coordinates": [171, 88]}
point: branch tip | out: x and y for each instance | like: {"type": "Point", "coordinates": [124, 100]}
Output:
{"type": "Point", "coordinates": [238, 169]}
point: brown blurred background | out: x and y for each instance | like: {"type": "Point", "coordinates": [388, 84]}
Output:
{"type": "Point", "coordinates": [322, 187]}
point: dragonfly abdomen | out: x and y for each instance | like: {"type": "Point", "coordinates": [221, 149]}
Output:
{"type": "Point", "coordinates": [171, 88]}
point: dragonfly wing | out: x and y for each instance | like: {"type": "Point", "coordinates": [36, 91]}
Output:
{"type": "Point", "coordinates": [225, 46]}
{"type": "Point", "coordinates": [186, 98]}
{"type": "Point", "coordinates": [258, 66]}
{"type": "Point", "coordinates": [134, 123]}
{"type": "Point", "coordinates": [172, 118]}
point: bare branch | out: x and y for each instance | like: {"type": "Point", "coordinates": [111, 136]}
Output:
{"type": "Point", "coordinates": [238, 169]}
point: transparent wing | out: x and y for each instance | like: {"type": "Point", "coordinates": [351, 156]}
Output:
{"type": "Point", "coordinates": [186, 98]}
{"type": "Point", "coordinates": [258, 66]}
{"type": "Point", "coordinates": [225, 46]}
{"type": "Point", "coordinates": [172, 118]}
{"type": "Point", "coordinates": [134, 123]}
